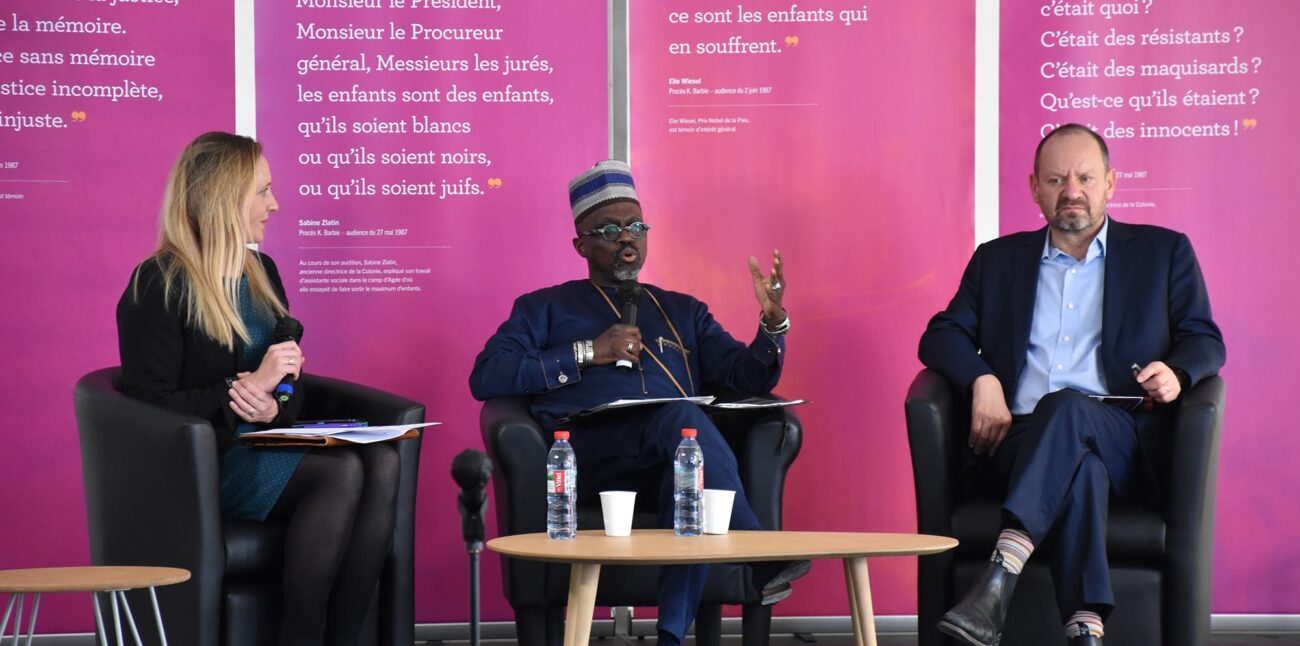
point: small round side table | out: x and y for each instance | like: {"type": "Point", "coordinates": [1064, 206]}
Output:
{"type": "Point", "coordinates": [113, 580]}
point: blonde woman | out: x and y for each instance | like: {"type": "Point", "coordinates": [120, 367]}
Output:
{"type": "Point", "coordinates": [195, 328]}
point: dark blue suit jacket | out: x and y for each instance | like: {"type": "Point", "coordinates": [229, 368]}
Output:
{"type": "Point", "coordinates": [1155, 307]}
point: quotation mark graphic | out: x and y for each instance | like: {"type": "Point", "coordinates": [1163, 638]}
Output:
{"type": "Point", "coordinates": [494, 182]}
{"type": "Point", "coordinates": [78, 115]}
{"type": "Point", "coordinates": [792, 41]}
{"type": "Point", "coordinates": [1249, 124]}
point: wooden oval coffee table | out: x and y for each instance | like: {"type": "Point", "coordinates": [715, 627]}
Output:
{"type": "Point", "coordinates": [115, 580]}
{"type": "Point", "coordinates": [592, 548]}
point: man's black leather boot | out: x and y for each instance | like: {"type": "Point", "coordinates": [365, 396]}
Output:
{"type": "Point", "coordinates": [977, 619]}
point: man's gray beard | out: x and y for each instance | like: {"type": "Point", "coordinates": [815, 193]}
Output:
{"type": "Point", "coordinates": [1073, 225]}
{"type": "Point", "coordinates": [624, 271]}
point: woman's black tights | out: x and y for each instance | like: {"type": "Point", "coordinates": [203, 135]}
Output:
{"type": "Point", "coordinates": [340, 507]}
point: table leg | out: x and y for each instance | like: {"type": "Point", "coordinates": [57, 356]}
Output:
{"type": "Point", "coordinates": [31, 625]}
{"type": "Point", "coordinates": [853, 603]}
{"type": "Point", "coordinates": [859, 585]}
{"type": "Point", "coordinates": [100, 630]}
{"type": "Point", "coordinates": [583, 578]}
{"type": "Point", "coordinates": [18, 618]}
{"type": "Point", "coordinates": [4, 625]}
{"type": "Point", "coordinates": [157, 616]}
{"type": "Point", "coordinates": [117, 618]}
{"type": "Point", "coordinates": [130, 618]}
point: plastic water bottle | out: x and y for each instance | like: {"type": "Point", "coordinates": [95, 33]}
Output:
{"type": "Point", "coordinates": [561, 489]}
{"type": "Point", "coordinates": [688, 486]}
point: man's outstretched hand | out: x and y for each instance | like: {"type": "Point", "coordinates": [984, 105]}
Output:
{"type": "Point", "coordinates": [769, 290]}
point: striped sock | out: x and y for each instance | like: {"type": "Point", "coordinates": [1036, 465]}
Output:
{"type": "Point", "coordinates": [1084, 623]}
{"type": "Point", "coordinates": [1015, 547]}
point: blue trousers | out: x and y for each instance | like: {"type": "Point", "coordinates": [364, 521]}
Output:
{"type": "Point", "coordinates": [634, 451]}
{"type": "Point", "coordinates": [1060, 465]}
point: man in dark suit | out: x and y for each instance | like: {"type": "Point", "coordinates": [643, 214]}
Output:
{"type": "Point", "coordinates": [1041, 321]}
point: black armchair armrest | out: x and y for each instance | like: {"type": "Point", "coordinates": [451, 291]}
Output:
{"type": "Point", "coordinates": [933, 410]}
{"type": "Point", "coordinates": [329, 398]}
{"type": "Point", "coordinates": [518, 447]}
{"type": "Point", "coordinates": [151, 484]}
{"type": "Point", "coordinates": [766, 442]}
{"type": "Point", "coordinates": [1189, 509]}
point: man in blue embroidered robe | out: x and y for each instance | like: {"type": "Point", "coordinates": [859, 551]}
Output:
{"type": "Point", "coordinates": [561, 345]}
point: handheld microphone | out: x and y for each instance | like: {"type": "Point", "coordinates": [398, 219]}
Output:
{"type": "Point", "coordinates": [286, 329]}
{"type": "Point", "coordinates": [628, 294]}
{"type": "Point", "coordinates": [472, 470]}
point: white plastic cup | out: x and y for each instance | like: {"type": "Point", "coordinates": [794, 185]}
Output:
{"type": "Point", "coordinates": [717, 510]}
{"type": "Point", "coordinates": [617, 507]}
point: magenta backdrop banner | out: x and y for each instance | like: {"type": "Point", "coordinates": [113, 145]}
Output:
{"type": "Point", "coordinates": [834, 132]}
{"type": "Point", "coordinates": [1195, 100]}
{"type": "Point", "coordinates": [420, 157]}
{"type": "Point", "coordinates": [96, 101]}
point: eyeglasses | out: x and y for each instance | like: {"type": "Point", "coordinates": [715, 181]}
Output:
{"type": "Point", "coordinates": [611, 232]}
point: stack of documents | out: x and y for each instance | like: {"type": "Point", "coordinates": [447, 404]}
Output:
{"type": "Point", "coordinates": [329, 435]}
{"type": "Point", "coordinates": [706, 401]}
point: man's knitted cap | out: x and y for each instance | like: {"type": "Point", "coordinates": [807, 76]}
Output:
{"type": "Point", "coordinates": [607, 182]}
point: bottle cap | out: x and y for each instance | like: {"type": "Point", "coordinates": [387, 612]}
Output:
{"type": "Point", "coordinates": [688, 432]}
{"type": "Point", "coordinates": [561, 435]}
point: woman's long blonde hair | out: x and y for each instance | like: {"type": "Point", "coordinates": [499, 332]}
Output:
{"type": "Point", "coordinates": [202, 246]}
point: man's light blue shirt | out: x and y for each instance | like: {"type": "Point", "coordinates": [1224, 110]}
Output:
{"type": "Point", "coordinates": [1066, 332]}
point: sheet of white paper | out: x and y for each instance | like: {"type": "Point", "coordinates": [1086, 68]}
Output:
{"type": "Point", "coordinates": [628, 403]}
{"type": "Point", "coordinates": [373, 433]}
{"type": "Point", "coordinates": [758, 402]}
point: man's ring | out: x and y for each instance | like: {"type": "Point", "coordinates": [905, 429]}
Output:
{"type": "Point", "coordinates": [250, 410]}
{"type": "Point", "coordinates": [293, 362]}
{"type": "Point", "coordinates": [776, 287]}
{"type": "Point", "coordinates": [630, 346]}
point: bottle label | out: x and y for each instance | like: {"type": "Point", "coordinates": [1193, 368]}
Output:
{"type": "Point", "coordinates": [558, 481]}
{"type": "Point", "coordinates": [699, 479]}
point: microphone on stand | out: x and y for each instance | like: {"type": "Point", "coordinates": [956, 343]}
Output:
{"type": "Point", "coordinates": [628, 294]}
{"type": "Point", "coordinates": [472, 470]}
{"type": "Point", "coordinates": [286, 329]}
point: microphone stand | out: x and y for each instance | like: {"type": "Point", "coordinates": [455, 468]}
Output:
{"type": "Point", "coordinates": [474, 622]}
{"type": "Point", "coordinates": [472, 470]}
{"type": "Point", "coordinates": [474, 546]}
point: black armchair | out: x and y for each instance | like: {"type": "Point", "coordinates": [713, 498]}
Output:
{"type": "Point", "coordinates": [765, 444]}
{"type": "Point", "coordinates": [151, 499]}
{"type": "Point", "coordinates": [1160, 557]}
